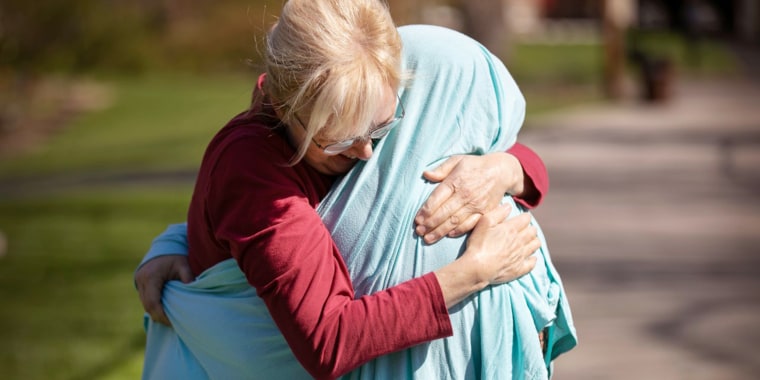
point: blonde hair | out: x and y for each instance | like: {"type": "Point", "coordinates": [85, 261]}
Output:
{"type": "Point", "coordinates": [334, 59]}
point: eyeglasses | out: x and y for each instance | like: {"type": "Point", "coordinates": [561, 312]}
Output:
{"type": "Point", "coordinates": [379, 132]}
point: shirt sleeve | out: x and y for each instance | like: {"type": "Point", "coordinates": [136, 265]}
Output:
{"type": "Point", "coordinates": [173, 241]}
{"type": "Point", "coordinates": [536, 175]}
{"type": "Point", "coordinates": [267, 218]}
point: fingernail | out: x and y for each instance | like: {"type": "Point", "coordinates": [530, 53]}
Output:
{"type": "Point", "coordinates": [421, 230]}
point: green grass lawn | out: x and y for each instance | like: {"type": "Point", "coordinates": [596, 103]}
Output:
{"type": "Point", "coordinates": [70, 310]}
{"type": "Point", "coordinates": [156, 122]}
{"type": "Point", "coordinates": [556, 76]}
{"type": "Point", "coordinates": [703, 57]}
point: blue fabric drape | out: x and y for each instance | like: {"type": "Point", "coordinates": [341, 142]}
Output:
{"type": "Point", "coordinates": [460, 99]}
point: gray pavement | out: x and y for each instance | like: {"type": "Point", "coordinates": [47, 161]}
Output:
{"type": "Point", "coordinates": [653, 220]}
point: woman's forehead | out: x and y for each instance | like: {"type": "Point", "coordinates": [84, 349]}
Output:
{"type": "Point", "coordinates": [384, 110]}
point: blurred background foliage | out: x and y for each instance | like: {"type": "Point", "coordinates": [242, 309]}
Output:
{"type": "Point", "coordinates": [121, 36]}
{"type": "Point", "coordinates": [98, 98]}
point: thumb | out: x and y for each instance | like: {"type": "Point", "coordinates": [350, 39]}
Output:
{"type": "Point", "coordinates": [185, 275]}
{"type": "Point", "coordinates": [442, 171]}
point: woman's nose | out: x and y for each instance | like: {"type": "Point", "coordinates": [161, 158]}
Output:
{"type": "Point", "coordinates": [362, 150]}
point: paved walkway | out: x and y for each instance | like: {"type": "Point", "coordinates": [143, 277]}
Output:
{"type": "Point", "coordinates": [653, 219]}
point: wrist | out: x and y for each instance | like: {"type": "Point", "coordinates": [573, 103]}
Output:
{"type": "Point", "coordinates": [512, 175]}
{"type": "Point", "coordinates": [460, 279]}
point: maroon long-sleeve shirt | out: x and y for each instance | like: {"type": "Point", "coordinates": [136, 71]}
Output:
{"type": "Point", "coordinates": [250, 204]}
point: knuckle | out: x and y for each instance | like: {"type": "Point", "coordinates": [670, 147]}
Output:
{"type": "Point", "coordinates": [490, 218]}
{"type": "Point", "coordinates": [453, 186]}
{"type": "Point", "coordinates": [431, 238]}
{"type": "Point", "coordinates": [448, 208]}
{"type": "Point", "coordinates": [433, 221]}
{"type": "Point", "coordinates": [466, 193]}
{"type": "Point", "coordinates": [476, 206]}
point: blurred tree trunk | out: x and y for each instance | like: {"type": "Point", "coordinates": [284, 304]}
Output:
{"type": "Point", "coordinates": [486, 21]}
{"type": "Point", "coordinates": [617, 16]}
{"type": "Point", "coordinates": [176, 10]}
{"type": "Point", "coordinates": [407, 12]}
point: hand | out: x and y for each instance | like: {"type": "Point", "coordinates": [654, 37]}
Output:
{"type": "Point", "coordinates": [152, 276]}
{"type": "Point", "coordinates": [503, 248]}
{"type": "Point", "coordinates": [498, 250]}
{"type": "Point", "coordinates": [470, 186]}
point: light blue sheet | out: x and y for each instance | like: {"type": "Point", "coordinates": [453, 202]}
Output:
{"type": "Point", "coordinates": [460, 100]}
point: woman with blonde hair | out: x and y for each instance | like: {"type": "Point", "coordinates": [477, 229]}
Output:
{"type": "Point", "coordinates": [271, 288]}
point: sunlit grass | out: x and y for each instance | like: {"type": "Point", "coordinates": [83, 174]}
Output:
{"type": "Point", "coordinates": [556, 64]}
{"type": "Point", "coordinates": [698, 57]}
{"type": "Point", "coordinates": [556, 76]}
{"type": "Point", "coordinates": [154, 122]}
{"type": "Point", "coordinates": [69, 307]}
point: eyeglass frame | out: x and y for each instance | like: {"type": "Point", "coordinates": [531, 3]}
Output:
{"type": "Point", "coordinates": [344, 145]}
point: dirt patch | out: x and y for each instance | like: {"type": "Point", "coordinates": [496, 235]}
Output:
{"type": "Point", "coordinates": [33, 110]}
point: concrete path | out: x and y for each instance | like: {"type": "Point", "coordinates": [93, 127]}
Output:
{"type": "Point", "coordinates": [653, 219]}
